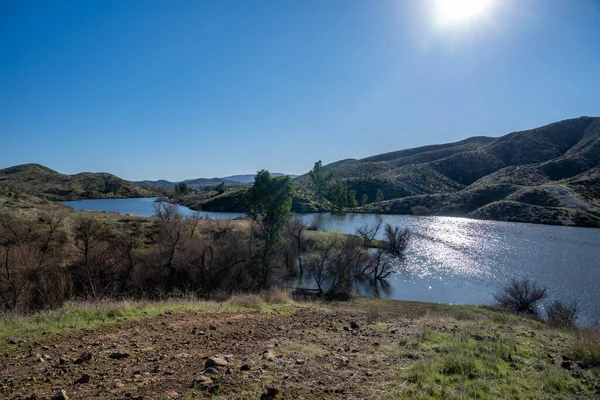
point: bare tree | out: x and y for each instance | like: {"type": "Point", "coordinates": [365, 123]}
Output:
{"type": "Point", "coordinates": [31, 261]}
{"type": "Point", "coordinates": [521, 296]}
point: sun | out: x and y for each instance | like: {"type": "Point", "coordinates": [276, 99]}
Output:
{"type": "Point", "coordinates": [456, 12]}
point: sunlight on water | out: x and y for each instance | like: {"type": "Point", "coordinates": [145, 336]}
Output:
{"type": "Point", "coordinates": [459, 260]}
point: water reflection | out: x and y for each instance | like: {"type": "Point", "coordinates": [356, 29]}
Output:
{"type": "Point", "coordinates": [458, 260]}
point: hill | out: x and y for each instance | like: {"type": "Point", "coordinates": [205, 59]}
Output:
{"type": "Point", "coordinates": [39, 181]}
{"type": "Point", "coordinates": [201, 183]}
{"type": "Point", "coordinates": [548, 175]}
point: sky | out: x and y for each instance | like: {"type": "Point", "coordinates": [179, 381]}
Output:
{"type": "Point", "coordinates": [178, 89]}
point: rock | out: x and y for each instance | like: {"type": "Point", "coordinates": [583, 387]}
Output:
{"type": "Point", "coordinates": [84, 357]}
{"type": "Point", "coordinates": [202, 382]}
{"type": "Point", "coordinates": [268, 355]}
{"type": "Point", "coordinates": [60, 395]}
{"type": "Point", "coordinates": [347, 329]}
{"type": "Point", "coordinates": [216, 362]}
{"type": "Point", "coordinates": [210, 371]}
{"type": "Point", "coordinates": [245, 367]}
{"type": "Point", "coordinates": [85, 378]}
{"type": "Point", "coordinates": [368, 373]}
{"type": "Point", "coordinates": [354, 325]}
{"type": "Point", "coordinates": [212, 328]}
{"type": "Point", "coordinates": [300, 361]}
{"type": "Point", "coordinates": [117, 355]}
{"type": "Point", "coordinates": [180, 355]}
{"type": "Point", "coordinates": [270, 394]}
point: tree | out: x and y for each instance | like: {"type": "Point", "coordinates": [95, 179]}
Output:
{"type": "Point", "coordinates": [365, 199]}
{"type": "Point", "coordinates": [340, 196]}
{"type": "Point", "coordinates": [220, 188]}
{"type": "Point", "coordinates": [352, 202]}
{"type": "Point", "coordinates": [269, 205]}
{"type": "Point", "coordinates": [379, 196]}
{"type": "Point", "coordinates": [182, 188]}
{"type": "Point", "coordinates": [320, 180]}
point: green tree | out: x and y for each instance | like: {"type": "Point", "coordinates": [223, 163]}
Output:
{"type": "Point", "coordinates": [269, 204]}
{"type": "Point", "coordinates": [220, 188]}
{"type": "Point", "coordinates": [320, 180]}
{"type": "Point", "coordinates": [340, 196]}
{"type": "Point", "coordinates": [365, 199]}
{"type": "Point", "coordinates": [352, 202]}
{"type": "Point", "coordinates": [379, 196]}
{"type": "Point", "coordinates": [182, 188]}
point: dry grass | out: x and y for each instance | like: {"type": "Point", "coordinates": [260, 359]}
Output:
{"type": "Point", "coordinates": [586, 348]}
{"type": "Point", "coordinates": [278, 296]}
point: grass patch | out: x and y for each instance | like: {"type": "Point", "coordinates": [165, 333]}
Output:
{"type": "Point", "coordinates": [89, 315]}
{"type": "Point", "coordinates": [586, 348]}
{"type": "Point", "coordinates": [478, 361]}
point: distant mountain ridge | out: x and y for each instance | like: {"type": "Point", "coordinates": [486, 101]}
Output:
{"type": "Point", "coordinates": [40, 181]}
{"type": "Point", "coordinates": [201, 183]}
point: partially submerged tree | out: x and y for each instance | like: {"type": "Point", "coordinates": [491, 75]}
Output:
{"type": "Point", "coordinates": [269, 205]}
{"type": "Point", "coordinates": [335, 261]}
{"type": "Point", "coordinates": [320, 179]}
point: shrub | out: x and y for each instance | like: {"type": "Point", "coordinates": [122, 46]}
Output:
{"type": "Point", "coordinates": [562, 315]}
{"type": "Point", "coordinates": [521, 296]}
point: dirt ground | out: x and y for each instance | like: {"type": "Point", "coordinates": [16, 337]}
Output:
{"type": "Point", "coordinates": [347, 350]}
{"type": "Point", "coordinates": [294, 353]}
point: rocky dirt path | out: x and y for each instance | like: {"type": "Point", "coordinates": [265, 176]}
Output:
{"type": "Point", "coordinates": [305, 354]}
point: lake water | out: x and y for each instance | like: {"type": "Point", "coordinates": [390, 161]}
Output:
{"type": "Point", "coordinates": [458, 260]}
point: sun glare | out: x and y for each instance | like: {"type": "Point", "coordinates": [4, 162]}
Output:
{"type": "Point", "coordinates": [455, 12]}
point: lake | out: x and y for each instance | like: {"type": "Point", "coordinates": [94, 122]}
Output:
{"type": "Point", "coordinates": [459, 260]}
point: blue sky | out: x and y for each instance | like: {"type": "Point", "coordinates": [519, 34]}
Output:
{"type": "Point", "coordinates": [180, 89]}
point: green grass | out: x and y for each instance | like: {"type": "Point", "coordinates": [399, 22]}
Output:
{"type": "Point", "coordinates": [479, 361]}
{"type": "Point", "coordinates": [89, 315]}
{"type": "Point", "coordinates": [586, 349]}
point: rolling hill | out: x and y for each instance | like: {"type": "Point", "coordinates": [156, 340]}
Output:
{"type": "Point", "coordinates": [549, 175]}
{"type": "Point", "coordinates": [37, 180]}
{"type": "Point", "coordinates": [201, 183]}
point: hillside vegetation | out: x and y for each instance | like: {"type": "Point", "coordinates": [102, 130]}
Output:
{"type": "Point", "coordinates": [42, 182]}
{"type": "Point", "coordinates": [548, 175]}
{"type": "Point", "coordinates": [544, 175]}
